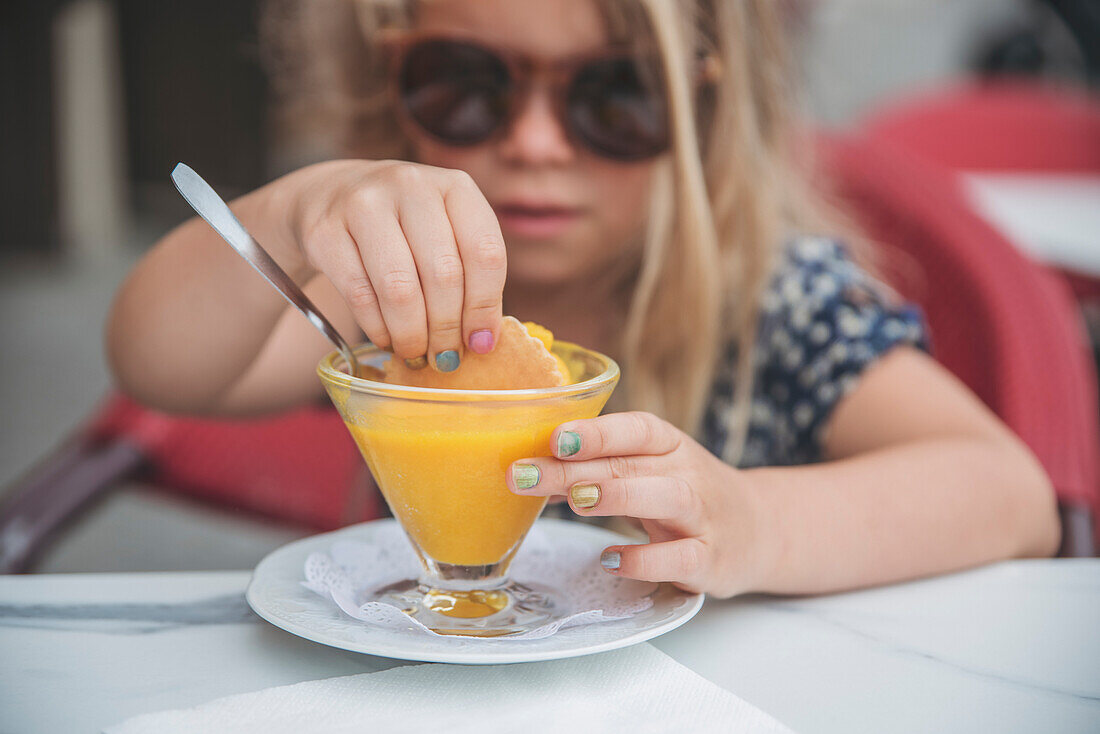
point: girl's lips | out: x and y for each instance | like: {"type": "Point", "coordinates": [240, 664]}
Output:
{"type": "Point", "coordinates": [535, 220]}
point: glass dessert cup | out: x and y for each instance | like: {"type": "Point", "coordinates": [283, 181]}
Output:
{"type": "Point", "coordinates": [440, 458]}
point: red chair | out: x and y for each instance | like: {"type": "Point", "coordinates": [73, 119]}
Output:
{"type": "Point", "coordinates": [1000, 127]}
{"type": "Point", "coordinates": [1006, 126]}
{"type": "Point", "coordinates": [1006, 326]}
{"type": "Point", "coordinates": [301, 467]}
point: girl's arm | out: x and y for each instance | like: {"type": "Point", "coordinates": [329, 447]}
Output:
{"type": "Point", "coordinates": [195, 329]}
{"type": "Point", "coordinates": [923, 480]}
{"type": "Point", "coordinates": [410, 255]}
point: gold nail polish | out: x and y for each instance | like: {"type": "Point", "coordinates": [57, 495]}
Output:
{"type": "Point", "coordinates": [585, 496]}
{"type": "Point", "coordinates": [417, 363]}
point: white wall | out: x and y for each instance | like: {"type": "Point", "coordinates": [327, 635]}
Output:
{"type": "Point", "coordinates": [860, 52]}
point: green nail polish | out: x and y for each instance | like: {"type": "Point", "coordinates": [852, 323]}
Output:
{"type": "Point", "coordinates": [417, 363]}
{"type": "Point", "coordinates": [447, 361]}
{"type": "Point", "coordinates": [525, 476]}
{"type": "Point", "coordinates": [569, 443]}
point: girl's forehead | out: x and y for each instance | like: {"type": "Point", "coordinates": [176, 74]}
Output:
{"type": "Point", "coordinates": [538, 28]}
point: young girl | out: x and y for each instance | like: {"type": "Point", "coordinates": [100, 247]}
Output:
{"type": "Point", "coordinates": [623, 172]}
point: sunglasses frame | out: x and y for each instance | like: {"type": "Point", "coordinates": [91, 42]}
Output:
{"type": "Point", "coordinates": [525, 72]}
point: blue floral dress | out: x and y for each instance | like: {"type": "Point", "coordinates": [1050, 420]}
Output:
{"type": "Point", "coordinates": [823, 320]}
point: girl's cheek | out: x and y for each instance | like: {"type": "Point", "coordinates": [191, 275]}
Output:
{"type": "Point", "coordinates": [627, 185]}
{"type": "Point", "coordinates": [625, 200]}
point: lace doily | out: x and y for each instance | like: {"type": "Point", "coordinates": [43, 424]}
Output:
{"type": "Point", "coordinates": [350, 569]}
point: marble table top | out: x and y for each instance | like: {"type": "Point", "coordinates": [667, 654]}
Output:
{"type": "Point", "coordinates": [1013, 647]}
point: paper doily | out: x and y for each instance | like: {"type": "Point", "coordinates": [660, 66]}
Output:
{"type": "Point", "coordinates": [351, 569]}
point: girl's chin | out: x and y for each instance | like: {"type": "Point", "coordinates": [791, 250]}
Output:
{"type": "Point", "coordinates": [547, 276]}
{"type": "Point", "coordinates": [550, 267]}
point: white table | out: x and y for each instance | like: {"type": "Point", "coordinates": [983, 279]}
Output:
{"type": "Point", "coordinates": [1013, 647]}
{"type": "Point", "coordinates": [1053, 218]}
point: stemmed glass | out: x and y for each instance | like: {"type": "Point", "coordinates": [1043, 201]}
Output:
{"type": "Point", "coordinates": [440, 458]}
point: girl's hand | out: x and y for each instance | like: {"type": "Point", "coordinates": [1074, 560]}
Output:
{"type": "Point", "coordinates": [700, 513]}
{"type": "Point", "coordinates": [415, 251]}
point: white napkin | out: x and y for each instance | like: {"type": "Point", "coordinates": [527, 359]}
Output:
{"type": "Point", "coordinates": [638, 689]}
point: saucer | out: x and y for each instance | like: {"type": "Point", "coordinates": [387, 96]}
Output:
{"type": "Point", "coordinates": [277, 595]}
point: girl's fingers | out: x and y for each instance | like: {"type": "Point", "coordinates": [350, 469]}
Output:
{"type": "Point", "coordinates": [424, 221]}
{"type": "Point", "coordinates": [682, 561]}
{"type": "Point", "coordinates": [393, 275]}
{"type": "Point", "coordinates": [638, 486]}
{"type": "Point", "coordinates": [649, 498]}
{"type": "Point", "coordinates": [332, 251]}
{"type": "Point", "coordinates": [481, 247]}
{"type": "Point", "coordinates": [615, 434]}
{"type": "Point", "coordinates": [548, 476]}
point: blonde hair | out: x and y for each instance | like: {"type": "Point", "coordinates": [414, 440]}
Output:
{"type": "Point", "coordinates": [725, 199]}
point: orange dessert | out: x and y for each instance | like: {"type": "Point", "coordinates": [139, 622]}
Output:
{"type": "Point", "coordinates": [442, 465]}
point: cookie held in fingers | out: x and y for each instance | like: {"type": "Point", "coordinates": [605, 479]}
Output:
{"type": "Point", "coordinates": [520, 360]}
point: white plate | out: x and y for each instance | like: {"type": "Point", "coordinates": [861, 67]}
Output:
{"type": "Point", "coordinates": [276, 594]}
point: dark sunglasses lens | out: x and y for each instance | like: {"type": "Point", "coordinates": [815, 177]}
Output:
{"type": "Point", "coordinates": [456, 91]}
{"type": "Point", "coordinates": [618, 110]}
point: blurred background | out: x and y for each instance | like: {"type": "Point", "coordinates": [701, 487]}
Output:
{"type": "Point", "coordinates": [102, 97]}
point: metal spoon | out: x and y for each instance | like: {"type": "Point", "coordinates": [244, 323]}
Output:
{"type": "Point", "coordinates": [204, 200]}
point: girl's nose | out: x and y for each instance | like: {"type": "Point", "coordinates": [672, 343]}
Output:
{"type": "Point", "coordinates": [536, 136]}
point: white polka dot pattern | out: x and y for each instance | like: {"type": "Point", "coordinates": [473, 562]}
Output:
{"type": "Point", "coordinates": [823, 320]}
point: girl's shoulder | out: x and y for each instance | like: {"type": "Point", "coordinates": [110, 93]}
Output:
{"type": "Point", "coordinates": [818, 294]}
{"type": "Point", "coordinates": [822, 321]}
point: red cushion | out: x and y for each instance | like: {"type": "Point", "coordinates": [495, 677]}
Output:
{"type": "Point", "coordinates": [996, 126]}
{"type": "Point", "coordinates": [300, 466]}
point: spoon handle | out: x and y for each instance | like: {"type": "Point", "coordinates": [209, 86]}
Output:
{"type": "Point", "coordinates": [204, 200]}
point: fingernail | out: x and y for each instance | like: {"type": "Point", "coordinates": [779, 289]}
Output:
{"type": "Point", "coordinates": [417, 363]}
{"type": "Point", "coordinates": [447, 361]}
{"type": "Point", "coordinates": [585, 496]}
{"type": "Point", "coordinates": [481, 341]}
{"type": "Point", "coordinates": [611, 560]}
{"type": "Point", "coordinates": [569, 443]}
{"type": "Point", "coordinates": [525, 476]}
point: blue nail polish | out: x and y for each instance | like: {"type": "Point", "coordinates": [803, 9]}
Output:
{"type": "Point", "coordinates": [569, 443]}
{"type": "Point", "coordinates": [611, 560]}
{"type": "Point", "coordinates": [447, 361]}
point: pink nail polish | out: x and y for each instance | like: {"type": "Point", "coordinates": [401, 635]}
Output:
{"type": "Point", "coordinates": [481, 341]}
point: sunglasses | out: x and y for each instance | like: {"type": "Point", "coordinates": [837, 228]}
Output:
{"type": "Point", "coordinates": [464, 94]}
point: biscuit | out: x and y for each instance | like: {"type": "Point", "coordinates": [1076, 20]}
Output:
{"type": "Point", "coordinates": [521, 360]}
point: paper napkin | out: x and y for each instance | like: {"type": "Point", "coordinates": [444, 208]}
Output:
{"type": "Point", "coordinates": [638, 690]}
